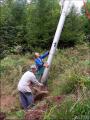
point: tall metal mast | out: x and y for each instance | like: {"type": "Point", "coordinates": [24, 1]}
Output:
{"type": "Point", "coordinates": [56, 38]}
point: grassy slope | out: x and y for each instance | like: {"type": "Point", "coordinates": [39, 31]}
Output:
{"type": "Point", "coordinates": [69, 76]}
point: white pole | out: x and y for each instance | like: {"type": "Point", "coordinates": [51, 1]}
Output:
{"type": "Point", "coordinates": [56, 39]}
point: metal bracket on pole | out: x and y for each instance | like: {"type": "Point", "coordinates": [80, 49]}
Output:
{"type": "Point", "coordinates": [56, 39]}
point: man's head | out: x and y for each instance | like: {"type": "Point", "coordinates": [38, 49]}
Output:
{"type": "Point", "coordinates": [33, 68]}
{"type": "Point", "coordinates": [37, 54]}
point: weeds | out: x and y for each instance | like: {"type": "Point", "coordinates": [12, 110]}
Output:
{"type": "Point", "coordinates": [69, 76]}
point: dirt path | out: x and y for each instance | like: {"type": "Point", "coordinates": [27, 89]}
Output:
{"type": "Point", "coordinates": [7, 102]}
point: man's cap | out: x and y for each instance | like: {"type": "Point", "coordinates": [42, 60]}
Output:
{"type": "Point", "coordinates": [33, 66]}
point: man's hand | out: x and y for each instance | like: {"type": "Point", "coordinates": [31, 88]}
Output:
{"type": "Point", "coordinates": [46, 65]}
{"type": "Point", "coordinates": [41, 85]}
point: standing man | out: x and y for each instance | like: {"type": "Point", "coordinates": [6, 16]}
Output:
{"type": "Point", "coordinates": [40, 64]}
{"type": "Point", "coordinates": [26, 96]}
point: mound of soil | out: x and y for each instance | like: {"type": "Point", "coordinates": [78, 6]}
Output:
{"type": "Point", "coordinates": [40, 96]}
{"type": "Point", "coordinates": [37, 113]}
{"type": "Point", "coordinates": [34, 115]}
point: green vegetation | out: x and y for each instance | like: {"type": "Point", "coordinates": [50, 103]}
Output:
{"type": "Point", "coordinates": [70, 110]}
{"type": "Point", "coordinates": [69, 77]}
{"type": "Point", "coordinates": [26, 28]}
{"type": "Point", "coordinates": [31, 25]}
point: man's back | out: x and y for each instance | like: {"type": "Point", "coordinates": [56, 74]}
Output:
{"type": "Point", "coordinates": [25, 81]}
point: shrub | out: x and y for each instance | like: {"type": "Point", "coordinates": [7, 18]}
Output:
{"type": "Point", "coordinates": [70, 110]}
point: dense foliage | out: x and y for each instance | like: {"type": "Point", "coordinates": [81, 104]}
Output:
{"type": "Point", "coordinates": [86, 21]}
{"type": "Point", "coordinates": [31, 25]}
{"type": "Point", "coordinates": [73, 29]}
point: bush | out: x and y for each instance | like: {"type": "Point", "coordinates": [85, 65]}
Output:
{"type": "Point", "coordinates": [70, 110]}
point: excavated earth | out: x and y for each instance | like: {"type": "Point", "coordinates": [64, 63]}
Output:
{"type": "Point", "coordinates": [37, 113]}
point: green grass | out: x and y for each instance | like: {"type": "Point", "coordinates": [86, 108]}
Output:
{"type": "Point", "coordinates": [69, 110]}
{"type": "Point", "coordinates": [16, 115]}
{"type": "Point", "coordinates": [69, 76]}
{"type": "Point", "coordinates": [69, 70]}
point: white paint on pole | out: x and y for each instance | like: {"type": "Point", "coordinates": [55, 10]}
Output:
{"type": "Point", "coordinates": [56, 39]}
